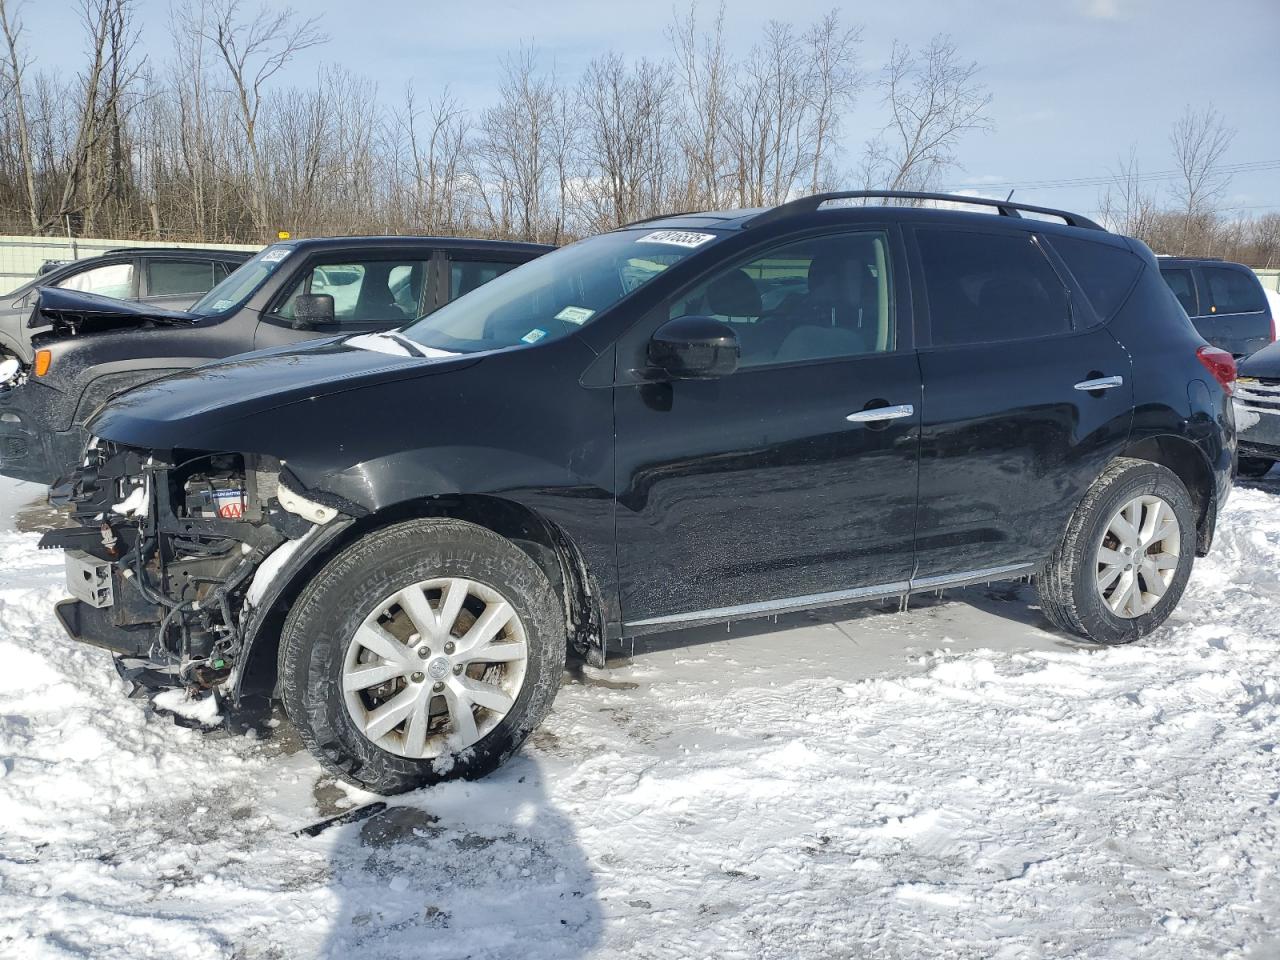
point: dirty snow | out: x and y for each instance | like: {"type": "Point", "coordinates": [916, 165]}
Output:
{"type": "Point", "coordinates": [956, 781]}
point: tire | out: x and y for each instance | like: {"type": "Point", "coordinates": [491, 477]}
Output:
{"type": "Point", "coordinates": [1255, 467]}
{"type": "Point", "coordinates": [1069, 585]}
{"type": "Point", "coordinates": [320, 647]}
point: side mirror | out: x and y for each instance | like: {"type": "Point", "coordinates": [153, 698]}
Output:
{"type": "Point", "coordinates": [311, 310]}
{"type": "Point", "coordinates": [694, 348]}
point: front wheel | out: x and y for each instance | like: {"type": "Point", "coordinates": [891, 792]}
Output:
{"type": "Point", "coordinates": [427, 651]}
{"type": "Point", "coordinates": [1126, 555]}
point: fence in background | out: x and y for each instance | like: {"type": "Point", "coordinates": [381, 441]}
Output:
{"type": "Point", "coordinates": [21, 257]}
{"type": "Point", "coordinates": [1270, 279]}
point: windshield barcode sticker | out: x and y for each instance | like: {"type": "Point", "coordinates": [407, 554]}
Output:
{"type": "Point", "coordinates": [677, 238]}
{"type": "Point", "coordinates": [578, 315]}
{"type": "Point", "coordinates": [272, 256]}
{"type": "Point", "coordinates": [534, 335]}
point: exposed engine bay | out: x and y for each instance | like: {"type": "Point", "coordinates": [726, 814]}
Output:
{"type": "Point", "coordinates": [167, 559]}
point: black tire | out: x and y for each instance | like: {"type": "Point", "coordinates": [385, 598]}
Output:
{"type": "Point", "coordinates": [1068, 589]}
{"type": "Point", "coordinates": [1255, 467]}
{"type": "Point", "coordinates": [323, 621]}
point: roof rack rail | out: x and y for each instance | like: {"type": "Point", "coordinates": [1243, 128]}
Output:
{"type": "Point", "coordinates": [1007, 208]}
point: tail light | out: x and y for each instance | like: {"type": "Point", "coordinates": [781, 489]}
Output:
{"type": "Point", "coordinates": [1219, 363]}
{"type": "Point", "coordinates": [1273, 326]}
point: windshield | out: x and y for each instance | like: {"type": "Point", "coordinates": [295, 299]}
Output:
{"type": "Point", "coordinates": [553, 296]}
{"type": "Point", "coordinates": [237, 286]}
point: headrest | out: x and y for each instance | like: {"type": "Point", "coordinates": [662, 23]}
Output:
{"type": "Point", "coordinates": [734, 295]}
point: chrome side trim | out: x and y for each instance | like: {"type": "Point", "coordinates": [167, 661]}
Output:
{"type": "Point", "coordinates": [1102, 383]}
{"type": "Point", "coordinates": [810, 601]}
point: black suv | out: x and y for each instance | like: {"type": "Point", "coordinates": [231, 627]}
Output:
{"type": "Point", "coordinates": [68, 352]}
{"type": "Point", "coordinates": [700, 418]}
{"type": "Point", "coordinates": [1224, 300]}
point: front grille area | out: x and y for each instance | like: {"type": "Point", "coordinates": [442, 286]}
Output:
{"type": "Point", "coordinates": [1262, 396]}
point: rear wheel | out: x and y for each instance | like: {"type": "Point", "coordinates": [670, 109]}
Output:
{"type": "Point", "coordinates": [1126, 556]}
{"type": "Point", "coordinates": [1254, 467]}
{"type": "Point", "coordinates": [427, 651]}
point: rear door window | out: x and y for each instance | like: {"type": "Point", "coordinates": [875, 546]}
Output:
{"type": "Point", "coordinates": [1233, 291]}
{"type": "Point", "coordinates": [175, 277]}
{"type": "Point", "coordinates": [466, 275]}
{"type": "Point", "coordinates": [1183, 286]}
{"type": "Point", "coordinates": [990, 287]}
{"type": "Point", "coordinates": [108, 280]}
{"type": "Point", "coordinates": [1105, 273]}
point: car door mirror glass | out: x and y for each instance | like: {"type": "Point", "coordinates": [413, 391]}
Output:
{"type": "Point", "coordinates": [694, 348]}
{"type": "Point", "coordinates": [311, 310]}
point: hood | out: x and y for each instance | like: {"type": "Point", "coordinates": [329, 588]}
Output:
{"type": "Point", "coordinates": [71, 312]}
{"type": "Point", "coordinates": [1264, 363]}
{"type": "Point", "coordinates": [176, 410]}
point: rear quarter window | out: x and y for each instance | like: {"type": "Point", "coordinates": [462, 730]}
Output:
{"type": "Point", "coordinates": [1107, 274]}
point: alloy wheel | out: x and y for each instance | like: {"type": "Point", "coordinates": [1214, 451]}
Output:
{"type": "Point", "coordinates": [1137, 558]}
{"type": "Point", "coordinates": [434, 667]}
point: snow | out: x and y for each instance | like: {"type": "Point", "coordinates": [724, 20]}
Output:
{"type": "Point", "coordinates": [954, 781]}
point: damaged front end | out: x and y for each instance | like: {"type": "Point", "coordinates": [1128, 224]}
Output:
{"type": "Point", "coordinates": [176, 554]}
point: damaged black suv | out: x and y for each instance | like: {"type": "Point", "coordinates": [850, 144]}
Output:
{"type": "Point", "coordinates": [701, 418]}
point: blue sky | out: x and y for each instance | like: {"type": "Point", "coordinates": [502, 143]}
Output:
{"type": "Point", "coordinates": [1075, 82]}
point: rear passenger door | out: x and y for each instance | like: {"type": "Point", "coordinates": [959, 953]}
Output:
{"type": "Point", "coordinates": [1011, 436]}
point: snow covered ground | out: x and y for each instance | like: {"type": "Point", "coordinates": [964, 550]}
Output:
{"type": "Point", "coordinates": [956, 781]}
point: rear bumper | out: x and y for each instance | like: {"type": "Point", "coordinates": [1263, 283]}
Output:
{"type": "Point", "coordinates": [29, 448]}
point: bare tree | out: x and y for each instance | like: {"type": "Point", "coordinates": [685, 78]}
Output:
{"type": "Point", "coordinates": [255, 49]}
{"type": "Point", "coordinates": [705, 73]}
{"type": "Point", "coordinates": [833, 84]}
{"type": "Point", "coordinates": [15, 65]}
{"type": "Point", "coordinates": [933, 100]}
{"type": "Point", "coordinates": [1126, 204]}
{"type": "Point", "coordinates": [1199, 140]}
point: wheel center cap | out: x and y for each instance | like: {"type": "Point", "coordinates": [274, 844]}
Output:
{"type": "Point", "coordinates": [439, 668]}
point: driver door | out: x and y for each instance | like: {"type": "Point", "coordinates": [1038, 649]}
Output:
{"type": "Point", "coordinates": [792, 481]}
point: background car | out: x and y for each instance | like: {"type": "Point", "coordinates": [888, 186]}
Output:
{"type": "Point", "coordinates": [1224, 300]}
{"type": "Point", "coordinates": [173, 277]}
{"type": "Point", "coordinates": [63, 357]}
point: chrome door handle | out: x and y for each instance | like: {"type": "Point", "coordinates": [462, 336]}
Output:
{"type": "Point", "coordinates": [882, 413]}
{"type": "Point", "coordinates": [1102, 383]}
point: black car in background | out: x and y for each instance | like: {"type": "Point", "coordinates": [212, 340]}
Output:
{"type": "Point", "coordinates": [68, 352]}
{"type": "Point", "coordinates": [1224, 300]}
{"type": "Point", "coordinates": [701, 418]}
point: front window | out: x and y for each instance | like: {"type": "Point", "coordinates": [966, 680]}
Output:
{"type": "Point", "coordinates": [240, 285]}
{"type": "Point", "coordinates": [374, 291]}
{"type": "Point", "coordinates": [554, 295]}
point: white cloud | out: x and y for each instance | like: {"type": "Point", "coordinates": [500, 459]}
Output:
{"type": "Point", "coordinates": [1102, 9]}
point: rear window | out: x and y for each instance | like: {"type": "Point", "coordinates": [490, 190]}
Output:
{"type": "Point", "coordinates": [1106, 273]}
{"type": "Point", "coordinates": [1233, 291]}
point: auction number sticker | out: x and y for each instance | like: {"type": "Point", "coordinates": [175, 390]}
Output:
{"type": "Point", "coordinates": [578, 315]}
{"type": "Point", "coordinates": [677, 238]}
{"type": "Point", "coordinates": [273, 256]}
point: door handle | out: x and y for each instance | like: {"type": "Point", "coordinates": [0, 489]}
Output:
{"type": "Point", "coordinates": [882, 413]}
{"type": "Point", "coordinates": [1102, 383]}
